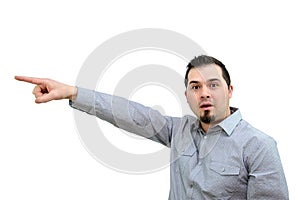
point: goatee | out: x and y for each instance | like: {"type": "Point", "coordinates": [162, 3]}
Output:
{"type": "Point", "coordinates": [206, 117]}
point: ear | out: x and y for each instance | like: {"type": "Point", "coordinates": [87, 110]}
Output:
{"type": "Point", "coordinates": [230, 91]}
{"type": "Point", "coordinates": [185, 94]}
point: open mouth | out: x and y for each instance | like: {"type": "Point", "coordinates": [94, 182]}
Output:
{"type": "Point", "coordinates": [205, 105]}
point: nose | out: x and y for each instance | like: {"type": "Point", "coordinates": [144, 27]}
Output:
{"type": "Point", "coordinates": [205, 94]}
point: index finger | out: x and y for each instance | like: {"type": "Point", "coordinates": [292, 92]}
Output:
{"type": "Point", "coordinates": [27, 79]}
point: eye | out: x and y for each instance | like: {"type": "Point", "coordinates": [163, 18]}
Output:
{"type": "Point", "coordinates": [195, 87]}
{"type": "Point", "coordinates": [214, 85]}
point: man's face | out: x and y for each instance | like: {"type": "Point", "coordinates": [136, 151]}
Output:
{"type": "Point", "coordinates": [208, 94]}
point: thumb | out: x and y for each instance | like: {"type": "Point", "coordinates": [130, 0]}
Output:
{"type": "Point", "coordinates": [45, 98]}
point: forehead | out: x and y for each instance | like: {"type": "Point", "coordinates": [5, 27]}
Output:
{"type": "Point", "coordinates": [204, 73]}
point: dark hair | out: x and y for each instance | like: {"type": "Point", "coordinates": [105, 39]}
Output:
{"type": "Point", "coordinates": [206, 60]}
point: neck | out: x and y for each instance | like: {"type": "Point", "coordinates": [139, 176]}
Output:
{"type": "Point", "coordinates": [206, 126]}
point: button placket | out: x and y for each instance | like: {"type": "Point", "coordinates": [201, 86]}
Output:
{"type": "Point", "coordinates": [207, 144]}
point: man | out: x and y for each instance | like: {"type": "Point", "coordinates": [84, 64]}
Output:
{"type": "Point", "coordinates": [216, 155]}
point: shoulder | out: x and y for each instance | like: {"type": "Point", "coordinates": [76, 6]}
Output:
{"type": "Point", "coordinates": [189, 120]}
{"type": "Point", "coordinates": [250, 135]}
{"type": "Point", "coordinates": [184, 124]}
{"type": "Point", "coordinates": [186, 119]}
{"type": "Point", "coordinates": [252, 138]}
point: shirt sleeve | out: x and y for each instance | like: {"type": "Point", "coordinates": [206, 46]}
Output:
{"type": "Point", "coordinates": [266, 175]}
{"type": "Point", "coordinates": [125, 114]}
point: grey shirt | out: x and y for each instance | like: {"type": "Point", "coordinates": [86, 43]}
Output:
{"type": "Point", "coordinates": [233, 160]}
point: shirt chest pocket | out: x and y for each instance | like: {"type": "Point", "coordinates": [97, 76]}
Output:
{"type": "Point", "coordinates": [221, 178]}
{"type": "Point", "coordinates": [224, 169]}
{"type": "Point", "coordinates": [186, 161]}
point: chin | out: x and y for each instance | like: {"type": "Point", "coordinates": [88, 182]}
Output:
{"type": "Point", "coordinates": [207, 117]}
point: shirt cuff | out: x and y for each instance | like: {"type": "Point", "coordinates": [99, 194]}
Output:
{"type": "Point", "coordinates": [85, 100]}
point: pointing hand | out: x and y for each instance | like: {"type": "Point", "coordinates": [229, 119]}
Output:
{"type": "Point", "coordinates": [47, 90]}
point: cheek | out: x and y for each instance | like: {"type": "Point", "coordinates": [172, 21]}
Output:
{"type": "Point", "coordinates": [191, 98]}
{"type": "Point", "coordinates": [221, 100]}
{"type": "Point", "coordinates": [221, 95]}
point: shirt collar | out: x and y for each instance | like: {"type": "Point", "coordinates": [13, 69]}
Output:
{"type": "Point", "coordinates": [228, 124]}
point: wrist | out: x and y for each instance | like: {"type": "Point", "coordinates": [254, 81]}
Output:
{"type": "Point", "coordinates": [74, 91]}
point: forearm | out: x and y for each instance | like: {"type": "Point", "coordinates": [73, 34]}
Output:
{"type": "Point", "coordinates": [125, 114]}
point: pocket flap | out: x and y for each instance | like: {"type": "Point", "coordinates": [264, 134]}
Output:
{"type": "Point", "coordinates": [224, 169]}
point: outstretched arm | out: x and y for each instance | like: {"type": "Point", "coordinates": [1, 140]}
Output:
{"type": "Point", "coordinates": [121, 112]}
{"type": "Point", "coordinates": [47, 90]}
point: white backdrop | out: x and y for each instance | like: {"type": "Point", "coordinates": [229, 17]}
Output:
{"type": "Point", "coordinates": [41, 154]}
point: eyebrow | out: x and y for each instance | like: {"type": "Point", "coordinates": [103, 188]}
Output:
{"type": "Point", "coordinates": [209, 80]}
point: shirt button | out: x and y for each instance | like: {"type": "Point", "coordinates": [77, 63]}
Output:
{"type": "Point", "coordinates": [223, 169]}
{"type": "Point", "coordinates": [205, 137]}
